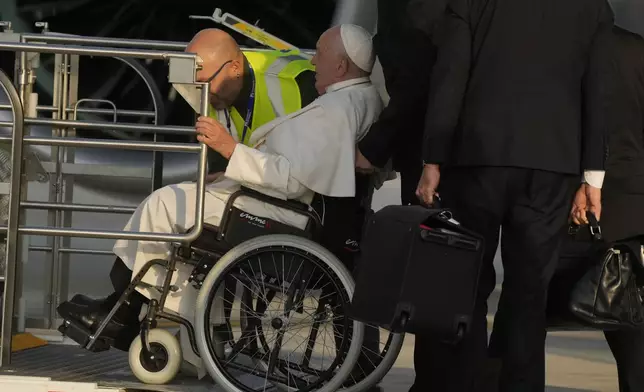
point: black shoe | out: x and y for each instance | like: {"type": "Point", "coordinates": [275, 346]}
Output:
{"type": "Point", "coordinates": [90, 319]}
{"type": "Point", "coordinates": [83, 300]}
{"type": "Point", "coordinates": [127, 313]}
{"type": "Point", "coordinates": [119, 333]}
{"type": "Point", "coordinates": [90, 303]}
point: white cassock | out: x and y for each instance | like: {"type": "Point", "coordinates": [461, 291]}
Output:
{"type": "Point", "coordinates": [309, 151]}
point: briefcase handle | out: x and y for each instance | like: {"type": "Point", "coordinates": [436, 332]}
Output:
{"type": "Point", "coordinates": [436, 204]}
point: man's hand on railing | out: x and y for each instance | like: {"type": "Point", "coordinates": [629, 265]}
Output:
{"type": "Point", "coordinates": [215, 135]}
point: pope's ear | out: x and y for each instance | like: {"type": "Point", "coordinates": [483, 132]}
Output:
{"type": "Point", "coordinates": [343, 66]}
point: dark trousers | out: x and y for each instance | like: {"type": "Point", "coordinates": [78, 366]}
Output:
{"type": "Point", "coordinates": [120, 276]}
{"type": "Point", "coordinates": [530, 207]}
{"type": "Point", "coordinates": [628, 350]}
{"type": "Point", "coordinates": [409, 177]}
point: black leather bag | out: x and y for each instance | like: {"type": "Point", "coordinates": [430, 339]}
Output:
{"type": "Point", "coordinates": [600, 286]}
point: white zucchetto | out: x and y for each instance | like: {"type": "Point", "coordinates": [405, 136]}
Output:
{"type": "Point", "coordinates": [359, 46]}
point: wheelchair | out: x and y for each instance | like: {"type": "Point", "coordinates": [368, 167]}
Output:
{"type": "Point", "coordinates": [288, 291]}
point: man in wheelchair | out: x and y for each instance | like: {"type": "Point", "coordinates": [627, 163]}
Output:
{"type": "Point", "coordinates": [303, 157]}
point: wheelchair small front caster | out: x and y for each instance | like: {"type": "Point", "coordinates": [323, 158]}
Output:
{"type": "Point", "coordinates": [164, 361]}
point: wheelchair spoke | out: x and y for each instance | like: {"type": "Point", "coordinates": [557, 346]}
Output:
{"type": "Point", "coordinates": [250, 280]}
{"type": "Point", "coordinates": [313, 335]}
{"type": "Point", "coordinates": [261, 273]}
{"type": "Point", "coordinates": [243, 342]}
{"type": "Point", "coordinates": [261, 279]}
{"type": "Point", "coordinates": [280, 334]}
{"type": "Point", "coordinates": [247, 308]}
{"type": "Point", "coordinates": [284, 365]}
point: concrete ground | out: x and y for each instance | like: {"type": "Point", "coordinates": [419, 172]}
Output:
{"type": "Point", "coordinates": [576, 361]}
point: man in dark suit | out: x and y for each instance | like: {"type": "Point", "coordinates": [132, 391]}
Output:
{"type": "Point", "coordinates": [623, 196]}
{"type": "Point", "coordinates": [406, 52]}
{"type": "Point", "coordinates": [516, 113]}
{"type": "Point", "coordinates": [623, 190]}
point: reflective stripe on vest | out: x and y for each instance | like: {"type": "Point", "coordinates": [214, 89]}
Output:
{"type": "Point", "coordinates": [279, 77]}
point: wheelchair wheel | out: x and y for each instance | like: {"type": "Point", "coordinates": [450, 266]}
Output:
{"type": "Point", "coordinates": [165, 361]}
{"type": "Point", "coordinates": [289, 293]}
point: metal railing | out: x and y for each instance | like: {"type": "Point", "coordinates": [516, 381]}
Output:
{"type": "Point", "coordinates": [165, 129]}
{"type": "Point", "coordinates": [105, 41]}
{"type": "Point", "coordinates": [119, 112]}
{"type": "Point", "coordinates": [182, 70]}
{"type": "Point", "coordinates": [95, 51]}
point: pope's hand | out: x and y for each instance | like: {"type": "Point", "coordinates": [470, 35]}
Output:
{"type": "Point", "coordinates": [428, 184]}
{"type": "Point", "coordinates": [362, 164]}
{"type": "Point", "coordinates": [212, 177]}
{"type": "Point", "coordinates": [215, 136]}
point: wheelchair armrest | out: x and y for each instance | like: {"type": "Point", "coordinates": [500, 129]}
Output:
{"type": "Point", "coordinates": [291, 205]}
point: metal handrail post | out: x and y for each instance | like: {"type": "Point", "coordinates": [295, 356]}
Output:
{"type": "Point", "coordinates": [203, 165]}
{"type": "Point", "coordinates": [13, 221]}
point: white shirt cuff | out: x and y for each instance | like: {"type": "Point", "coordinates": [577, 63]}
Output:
{"type": "Point", "coordinates": [594, 178]}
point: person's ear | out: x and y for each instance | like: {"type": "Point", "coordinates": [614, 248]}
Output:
{"type": "Point", "coordinates": [343, 67]}
{"type": "Point", "coordinates": [236, 69]}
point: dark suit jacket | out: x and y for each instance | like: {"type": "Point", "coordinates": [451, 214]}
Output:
{"type": "Point", "coordinates": [519, 83]}
{"type": "Point", "coordinates": [623, 190]}
{"type": "Point", "coordinates": [405, 50]}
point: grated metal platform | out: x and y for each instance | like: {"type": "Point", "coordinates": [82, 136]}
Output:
{"type": "Point", "coordinates": [107, 369]}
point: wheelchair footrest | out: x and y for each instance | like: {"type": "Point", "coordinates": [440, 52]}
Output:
{"type": "Point", "coordinates": [81, 335]}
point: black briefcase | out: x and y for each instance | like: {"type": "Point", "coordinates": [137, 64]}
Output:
{"type": "Point", "coordinates": [418, 271]}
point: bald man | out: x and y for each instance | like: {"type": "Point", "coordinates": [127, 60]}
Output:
{"type": "Point", "coordinates": [249, 88]}
{"type": "Point", "coordinates": [296, 157]}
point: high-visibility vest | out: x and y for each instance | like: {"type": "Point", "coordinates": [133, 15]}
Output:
{"type": "Point", "coordinates": [276, 91]}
